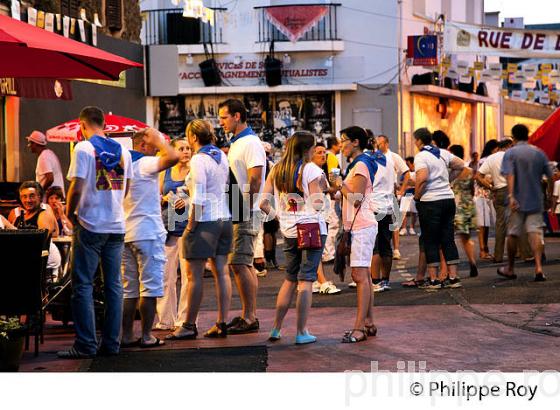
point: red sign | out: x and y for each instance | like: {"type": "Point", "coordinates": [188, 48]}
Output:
{"type": "Point", "coordinates": [43, 88]}
{"type": "Point", "coordinates": [295, 21]}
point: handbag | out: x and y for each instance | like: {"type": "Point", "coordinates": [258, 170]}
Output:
{"type": "Point", "coordinates": [309, 233]}
{"type": "Point", "coordinates": [309, 236]}
{"type": "Point", "coordinates": [344, 249]}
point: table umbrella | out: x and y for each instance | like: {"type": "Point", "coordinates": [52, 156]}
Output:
{"type": "Point", "coordinates": [114, 125]}
{"type": "Point", "coordinates": [29, 51]}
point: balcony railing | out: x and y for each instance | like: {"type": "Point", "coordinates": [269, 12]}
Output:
{"type": "Point", "coordinates": [325, 30]}
{"type": "Point", "coordinates": [168, 26]}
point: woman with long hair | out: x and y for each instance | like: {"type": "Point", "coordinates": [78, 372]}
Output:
{"type": "Point", "coordinates": [209, 230]}
{"type": "Point", "coordinates": [173, 208]}
{"type": "Point", "coordinates": [297, 185]}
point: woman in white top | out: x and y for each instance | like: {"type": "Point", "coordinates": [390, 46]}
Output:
{"type": "Point", "coordinates": [296, 183]}
{"type": "Point", "coordinates": [209, 230]}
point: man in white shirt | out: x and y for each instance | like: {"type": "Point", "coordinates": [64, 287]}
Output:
{"type": "Point", "coordinates": [384, 192]}
{"type": "Point", "coordinates": [48, 171]}
{"type": "Point", "coordinates": [99, 174]}
{"type": "Point", "coordinates": [247, 161]}
{"type": "Point", "coordinates": [143, 259]}
{"type": "Point", "coordinates": [498, 184]}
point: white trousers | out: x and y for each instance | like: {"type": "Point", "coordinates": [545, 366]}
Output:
{"type": "Point", "coordinates": [169, 312]}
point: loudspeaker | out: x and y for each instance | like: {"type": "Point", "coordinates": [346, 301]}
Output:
{"type": "Point", "coordinates": [482, 90]}
{"type": "Point", "coordinates": [449, 83]}
{"type": "Point", "coordinates": [182, 30]}
{"type": "Point", "coordinates": [430, 78]}
{"type": "Point", "coordinates": [467, 87]}
{"type": "Point", "coordinates": [272, 71]}
{"type": "Point", "coordinates": [210, 73]}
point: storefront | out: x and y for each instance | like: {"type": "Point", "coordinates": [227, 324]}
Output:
{"type": "Point", "coordinates": [468, 119]}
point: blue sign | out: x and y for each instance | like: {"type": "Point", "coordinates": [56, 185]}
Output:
{"type": "Point", "coordinates": [423, 50]}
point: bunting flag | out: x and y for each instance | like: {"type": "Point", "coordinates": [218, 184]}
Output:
{"type": "Point", "coordinates": [295, 21]}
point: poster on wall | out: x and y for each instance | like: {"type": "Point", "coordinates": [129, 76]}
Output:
{"type": "Point", "coordinates": [288, 113]}
{"type": "Point", "coordinates": [318, 114]}
{"type": "Point", "coordinates": [257, 106]}
{"type": "Point", "coordinates": [172, 116]}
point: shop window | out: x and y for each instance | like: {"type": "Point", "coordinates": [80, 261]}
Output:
{"type": "Point", "coordinates": [113, 14]}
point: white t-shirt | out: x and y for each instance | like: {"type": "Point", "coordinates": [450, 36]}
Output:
{"type": "Point", "coordinates": [48, 162]}
{"type": "Point", "coordinates": [492, 166]}
{"type": "Point", "coordinates": [556, 193]}
{"type": "Point", "coordinates": [101, 206]}
{"type": "Point", "coordinates": [206, 183]}
{"type": "Point", "coordinates": [399, 164]}
{"type": "Point", "coordinates": [437, 186]}
{"type": "Point", "coordinates": [142, 205]}
{"type": "Point", "coordinates": [246, 153]}
{"type": "Point", "coordinates": [307, 214]}
{"type": "Point", "coordinates": [384, 187]}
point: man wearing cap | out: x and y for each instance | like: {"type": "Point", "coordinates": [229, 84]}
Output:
{"type": "Point", "coordinates": [48, 172]}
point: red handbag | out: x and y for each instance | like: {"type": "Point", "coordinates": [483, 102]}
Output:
{"type": "Point", "coordinates": [309, 236]}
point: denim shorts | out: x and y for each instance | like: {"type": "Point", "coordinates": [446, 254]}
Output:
{"type": "Point", "coordinates": [302, 265]}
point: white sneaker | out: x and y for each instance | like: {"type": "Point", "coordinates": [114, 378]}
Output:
{"type": "Point", "coordinates": [329, 288]}
{"type": "Point", "coordinates": [402, 232]}
{"type": "Point", "coordinates": [396, 254]}
{"type": "Point", "coordinates": [377, 287]}
{"type": "Point", "coordinates": [411, 231]}
{"type": "Point", "coordinates": [261, 273]}
{"type": "Point", "coordinates": [352, 285]}
{"type": "Point", "coordinates": [316, 287]}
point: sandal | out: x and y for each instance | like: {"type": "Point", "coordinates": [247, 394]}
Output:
{"type": "Point", "coordinates": [413, 283]}
{"type": "Point", "coordinates": [157, 343]}
{"type": "Point", "coordinates": [371, 330]}
{"type": "Point", "coordinates": [187, 331]}
{"type": "Point", "coordinates": [501, 272]}
{"type": "Point", "coordinates": [349, 338]}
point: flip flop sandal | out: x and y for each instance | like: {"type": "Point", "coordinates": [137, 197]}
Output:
{"type": "Point", "coordinates": [134, 343]}
{"type": "Point", "coordinates": [503, 275]}
{"type": "Point", "coordinates": [157, 343]}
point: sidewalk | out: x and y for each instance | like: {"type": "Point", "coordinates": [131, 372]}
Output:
{"type": "Point", "coordinates": [488, 324]}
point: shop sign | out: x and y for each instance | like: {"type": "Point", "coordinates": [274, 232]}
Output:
{"type": "Point", "coordinates": [41, 88]}
{"type": "Point", "coordinates": [491, 41]}
{"type": "Point", "coordinates": [248, 70]}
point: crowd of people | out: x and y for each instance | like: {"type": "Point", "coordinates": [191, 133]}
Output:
{"type": "Point", "coordinates": [167, 211]}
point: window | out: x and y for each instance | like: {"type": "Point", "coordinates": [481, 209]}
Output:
{"type": "Point", "coordinates": [113, 14]}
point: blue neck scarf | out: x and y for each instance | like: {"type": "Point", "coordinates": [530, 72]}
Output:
{"type": "Point", "coordinates": [247, 131]}
{"type": "Point", "coordinates": [432, 149]}
{"type": "Point", "coordinates": [212, 151]}
{"type": "Point", "coordinates": [370, 159]}
{"type": "Point", "coordinates": [109, 151]}
{"type": "Point", "coordinates": [135, 155]}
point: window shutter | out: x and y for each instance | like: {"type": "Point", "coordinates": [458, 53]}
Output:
{"type": "Point", "coordinates": [70, 8]}
{"type": "Point", "coordinates": [113, 14]}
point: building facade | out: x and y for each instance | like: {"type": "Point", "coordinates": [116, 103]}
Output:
{"type": "Point", "coordinates": [350, 68]}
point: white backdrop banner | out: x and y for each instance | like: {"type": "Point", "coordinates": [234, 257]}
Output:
{"type": "Point", "coordinates": [492, 41]}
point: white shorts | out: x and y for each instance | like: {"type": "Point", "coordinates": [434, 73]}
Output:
{"type": "Point", "coordinates": [408, 204]}
{"type": "Point", "coordinates": [485, 213]}
{"type": "Point", "coordinates": [143, 264]}
{"type": "Point", "coordinates": [363, 242]}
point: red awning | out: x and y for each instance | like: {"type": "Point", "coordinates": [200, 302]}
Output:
{"type": "Point", "coordinates": [29, 51]}
{"type": "Point", "coordinates": [547, 136]}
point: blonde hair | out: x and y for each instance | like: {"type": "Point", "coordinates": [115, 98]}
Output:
{"type": "Point", "coordinates": [202, 130]}
{"type": "Point", "coordinates": [297, 148]}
